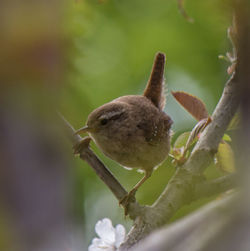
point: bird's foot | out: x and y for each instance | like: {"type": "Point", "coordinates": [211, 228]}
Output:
{"type": "Point", "coordinates": [84, 143]}
{"type": "Point", "coordinates": [126, 200]}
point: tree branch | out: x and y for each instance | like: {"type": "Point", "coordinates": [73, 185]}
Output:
{"type": "Point", "coordinates": [216, 186]}
{"type": "Point", "coordinates": [211, 137]}
{"type": "Point", "coordinates": [195, 231]}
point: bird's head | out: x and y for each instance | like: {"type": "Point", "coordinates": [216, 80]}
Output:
{"type": "Point", "coordinates": [105, 119]}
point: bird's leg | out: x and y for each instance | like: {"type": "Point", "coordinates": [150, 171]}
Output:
{"type": "Point", "coordinates": [145, 177]}
{"type": "Point", "coordinates": [125, 200]}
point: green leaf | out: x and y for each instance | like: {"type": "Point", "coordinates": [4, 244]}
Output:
{"type": "Point", "coordinates": [227, 138]}
{"type": "Point", "coordinates": [225, 158]}
{"type": "Point", "coordinates": [177, 153]}
{"type": "Point", "coordinates": [182, 140]}
{"type": "Point", "coordinates": [234, 124]}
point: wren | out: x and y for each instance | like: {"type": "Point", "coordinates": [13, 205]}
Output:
{"type": "Point", "coordinates": [134, 130]}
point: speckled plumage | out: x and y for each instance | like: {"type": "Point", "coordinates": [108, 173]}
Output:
{"type": "Point", "coordinates": [136, 136]}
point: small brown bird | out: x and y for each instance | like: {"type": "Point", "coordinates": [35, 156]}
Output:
{"type": "Point", "coordinates": [134, 130]}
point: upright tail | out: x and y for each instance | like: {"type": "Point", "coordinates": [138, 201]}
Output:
{"type": "Point", "coordinates": [155, 87]}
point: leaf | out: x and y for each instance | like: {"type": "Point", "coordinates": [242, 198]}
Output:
{"type": "Point", "coordinates": [181, 140]}
{"type": "Point", "coordinates": [185, 140]}
{"type": "Point", "coordinates": [235, 122]}
{"type": "Point", "coordinates": [225, 158]}
{"type": "Point", "coordinates": [177, 153]}
{"type": "Point", "coordinates": [192, 104]}
{"type": "Point", "coordinates": [199, 127]}
{"type": "Point", "coordinates": [227, 138]}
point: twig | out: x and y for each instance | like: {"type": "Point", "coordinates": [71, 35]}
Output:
{"type": "Point", "coordinates": [183, 11]}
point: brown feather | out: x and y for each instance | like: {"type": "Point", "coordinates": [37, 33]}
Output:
{"type": "Point", "coordinates": [155, 87]}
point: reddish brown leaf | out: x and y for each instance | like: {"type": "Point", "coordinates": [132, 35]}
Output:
{"type": "Point", "coordinates": [192, 104]}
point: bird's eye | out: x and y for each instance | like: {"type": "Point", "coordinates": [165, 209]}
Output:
{"type": "Point", "coordinates": [104, 121]}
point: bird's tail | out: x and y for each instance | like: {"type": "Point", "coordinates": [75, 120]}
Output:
{"type": "Point", "coordinates": [155, 87]}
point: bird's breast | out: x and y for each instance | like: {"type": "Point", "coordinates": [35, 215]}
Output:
{"type": "Point", "coordinates": [135, 151]}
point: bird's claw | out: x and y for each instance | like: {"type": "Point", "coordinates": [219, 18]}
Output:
{"type": "Point", "coordinates": [79, 146]}
{"type": "Point", "coordinates": [126, 200]}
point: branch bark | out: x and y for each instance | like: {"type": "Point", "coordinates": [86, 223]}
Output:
{"type": "Point", "coordinates": [194, 231]}
{"type": "Point", "coordinates": [216, 186]}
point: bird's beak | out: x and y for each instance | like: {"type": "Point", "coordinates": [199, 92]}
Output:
{"type": "Point", "coordinates": [82, 130]}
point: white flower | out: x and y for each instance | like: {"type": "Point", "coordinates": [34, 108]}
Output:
{"type": "Point", "coordinates": [110, 238]}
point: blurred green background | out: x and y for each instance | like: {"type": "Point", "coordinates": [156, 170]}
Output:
{"type": "Point", "coordinates": [114, 43]}
{"type": "Point", "coordinates": [76, 55]}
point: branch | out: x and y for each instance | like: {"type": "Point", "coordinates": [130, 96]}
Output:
{"type": "Point", "coordinates": [183, 11]}
{"type": "Point", "coordinates": [101, 170]}
{"type": "Point", "coordinates": [211, 137]}
{"type": "Point", "coordinates": [216, 186]}
{"type": "Point", "coordinates": [173, 197]}
{"type": "Point", "coordinates": [195, 231]}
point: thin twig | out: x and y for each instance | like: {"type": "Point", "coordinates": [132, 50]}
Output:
{"type": "Point", "coordinates": [183, 11]}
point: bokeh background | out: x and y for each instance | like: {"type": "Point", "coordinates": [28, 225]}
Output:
{"type": "Point", "coordinates": [71, 57]}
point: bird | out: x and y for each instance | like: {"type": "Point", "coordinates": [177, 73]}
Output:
{"type": "Point", "coordinates": [134, 130]}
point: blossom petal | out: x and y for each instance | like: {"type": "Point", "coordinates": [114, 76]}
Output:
{"type": "Point", "coordinates": [99, 245]}
{"type": "Point", "coordinates": [120, 234]}
{"type": "Point", "coordinates": [106, 231]}
{"type": "Point", "coordinates": [98, 242]}
{"type": "Point", "coordinates": [92, 247]}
